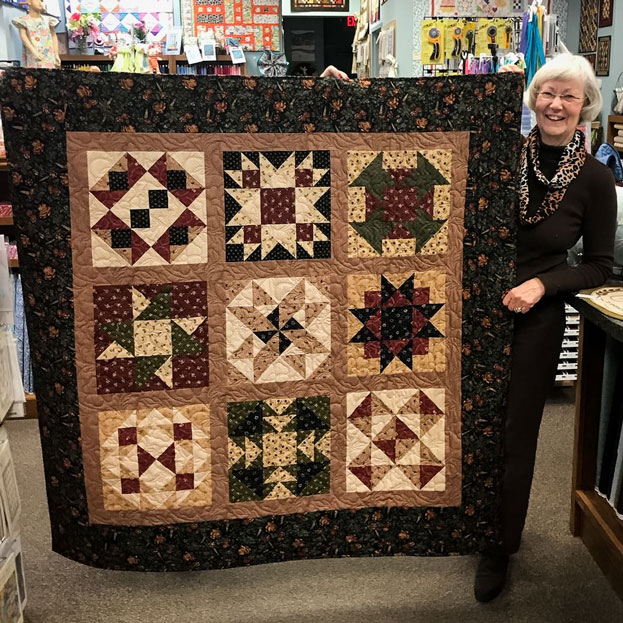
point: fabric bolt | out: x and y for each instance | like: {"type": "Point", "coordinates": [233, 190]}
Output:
{"type": "Point", "coordinates": [613, 352]}
{"type": "Point", "coordinates": [38, 29]}
{"type": "Point", "coordinates": [267, 316]}
{"type": "Point", "coordinates": [609, 459]}
{"type": "Point", "coordinates": [21, 334]}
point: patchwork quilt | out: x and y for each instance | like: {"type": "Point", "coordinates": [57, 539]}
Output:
{"type": "Point", "coordinates": [265, 314]}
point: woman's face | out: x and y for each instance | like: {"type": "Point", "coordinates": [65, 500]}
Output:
{"type": "Point", "coordinates": [558, 107]}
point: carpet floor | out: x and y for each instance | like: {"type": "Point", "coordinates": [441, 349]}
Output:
{"type": "Point", "coordinates": [553, 579]}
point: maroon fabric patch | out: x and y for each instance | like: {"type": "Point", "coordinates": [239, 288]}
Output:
{"type": "Point", "coordinates": [130, 485]}
{"type": "Point", "coordinates": [182, 431]}
{"type": "Point", "coordinates": [127, 436]}
{"type": "Point", "coordinates": [252, 233]}
{"type": "Point", "coordinates": [184, 482]}
{"type": "Point", "coordinates": [304, 177]}
{"type": "Point", "coordinates": [277, 206]}
{"type": "Point", "coordinates": [251, 179]}
{"type": "Point", "coordinates": [400, 204]}
{"type": "Point", "coordinates": [304, 231]}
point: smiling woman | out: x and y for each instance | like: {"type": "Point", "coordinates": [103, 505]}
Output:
{"type": "Point", "coordinates": [564, 194]}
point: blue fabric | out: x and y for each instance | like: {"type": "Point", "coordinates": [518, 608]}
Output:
{"type": "Point", "coordinates": [21, 334]}
{"type": "Point", "coordinates": [609, 156]}
{"type": "Point", "coordinates": [535, 57]}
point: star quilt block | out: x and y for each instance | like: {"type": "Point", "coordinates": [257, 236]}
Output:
{"type": "Point", "coordinates": [155, 458]}
{"type": "Point", "coordinates": [278, 329]}
{"type": "Point", "coordinates": [396, 323]}
{"type": "Point", "coordinates": [277, 205]}
{"type": "Point", "coordinates": [147, 208]}
{"type": "Point", "coordinates": [398, 202]}
{"type": "Point", "coordinates": [151, 337]}
{"type": "Point", "coordinates": [395, 440]}
{"type": "Point", "coordinates": [279, 448]}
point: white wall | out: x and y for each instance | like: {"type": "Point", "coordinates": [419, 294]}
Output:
{"type": "Point", "coordinates": [353, 7]}
{"type": "Point", "coordinates": [10, 42]}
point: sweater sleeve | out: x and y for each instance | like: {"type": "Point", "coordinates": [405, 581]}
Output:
{"type": "Point", "coordinates": [598, 229]}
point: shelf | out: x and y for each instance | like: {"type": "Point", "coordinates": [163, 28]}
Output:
{"type": "Point", "coordinates": [4, 164]}
{"type": "Point", "coordinates": [31, 406]}
{"type": "Point", "coordinates": [6, 221]}
{"type": "Point", "coordinates": [14, 263]}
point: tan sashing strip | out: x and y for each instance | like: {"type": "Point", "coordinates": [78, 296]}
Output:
{"type": "Point", "coordinates": [217, 271]}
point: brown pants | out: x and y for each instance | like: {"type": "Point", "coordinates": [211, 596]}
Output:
{"type": "Point", "coordinates": [536, 348]}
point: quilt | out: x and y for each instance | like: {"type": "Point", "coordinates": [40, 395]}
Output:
{"type": "Point", "coordinates": [265, 314]}
{"type": "Point", "coordinates": [254, 23]}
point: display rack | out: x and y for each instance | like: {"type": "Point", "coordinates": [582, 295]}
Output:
{"type": "Point", "coordinates": [567, 371]}
{"type": "Point", "coordinates": [169, 64]}
{"type": "Point", "coordinates": [612, 131]}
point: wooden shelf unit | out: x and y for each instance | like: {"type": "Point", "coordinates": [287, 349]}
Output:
{"type": "Point", "coordinates": [592, 518]}
{"type": "Point", "coordinates": [612, 131]}
{"type": "Point", "coordinates": [173, 60]}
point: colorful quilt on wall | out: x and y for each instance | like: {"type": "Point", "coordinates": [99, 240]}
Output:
{"type": "Point", "coordinates": [254, 23]}
{"type": "Point", "coordinates": [121, 15]}
{"type": "Point", "coordinates": [265, 314]}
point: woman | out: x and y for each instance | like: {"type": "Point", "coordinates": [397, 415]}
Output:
{"type": "Point", "coordinates": [564, 194]}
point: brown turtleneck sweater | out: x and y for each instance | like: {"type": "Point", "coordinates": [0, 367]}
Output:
{"type": "Point", "coordinates": [588, 209]}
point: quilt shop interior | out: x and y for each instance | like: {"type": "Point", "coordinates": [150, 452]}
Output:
{"type": "Point", "coordinates": [365, 39]}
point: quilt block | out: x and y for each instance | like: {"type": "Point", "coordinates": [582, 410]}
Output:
{"type": "Point", "coordinates": [266, 314]}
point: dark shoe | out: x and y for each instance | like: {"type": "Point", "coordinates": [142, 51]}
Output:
{"type": "Point", "coordinates": [490, 576]}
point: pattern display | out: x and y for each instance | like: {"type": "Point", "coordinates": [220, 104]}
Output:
{"type": "Point", "coordinates": [589, 19]}
{"type": "Point", "coordinates": [151, 337]}
{"type": "Point", "coordinates": [155, 458]}
{"type": "Point", "coordinates": [396, 323]}
{"type": "Point", "coordinates": [277, 205]}
{"type": "Point", "coordinates": [279, 448]}
{"type": "Point", "coordinates": [147, 208]}
{"type": "Point", "coordinates": [396, 440]}
{"type": "Point", "coordinates": [253, 23]}
{"type": "Point", "coordinates": [398, 203]}
{"type": "Point", "coordinates": [278, 329]}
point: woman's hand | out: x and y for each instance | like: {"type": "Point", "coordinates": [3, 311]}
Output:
{"type": "Point", "coordinates": [525, 296]}
{"type": "Point", "coordinates": [512, 69]}
{"type": "Point", "coordinates": [334, 72]}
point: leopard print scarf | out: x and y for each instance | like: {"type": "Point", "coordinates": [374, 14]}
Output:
{"type": "Point", "coordinates": [572, 160]}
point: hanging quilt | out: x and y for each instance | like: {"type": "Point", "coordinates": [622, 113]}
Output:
{"type": "Point", "coordinates": [265, 314]}
{"type": "Point", "coordinates": [122, 15]}
{"type": "Point", "coordinates": [254, 23]}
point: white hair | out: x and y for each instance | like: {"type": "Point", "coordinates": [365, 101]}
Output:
{"type": "Point", "coordinates": [569, 67]}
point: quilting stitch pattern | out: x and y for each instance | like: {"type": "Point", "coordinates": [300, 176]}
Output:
{"type": "Point", "coordinates": [147, 208]}
{"type": "Point", "coordinates": [150, 337]}
{"type": "Point", "coordinates": [155, 458]}
{"type": "Point", "coordinates": [278, 329]}
{"type": "Point", "coordinates": [396, 323]}
{"type": "Point", "coordinates": [277, 205]}
{"type": "Point", "coordinates": [399, 202]}
{"type": "Point", "coordinates": [395, 440]}
{"type": "Point", "coordinates": [279, 448]}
